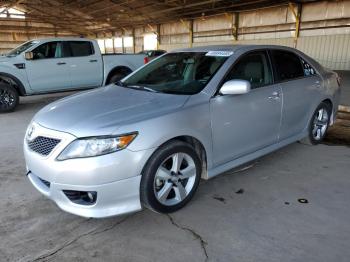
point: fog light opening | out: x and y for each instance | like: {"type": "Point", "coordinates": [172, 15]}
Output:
{"type": "Point", "coordinates": [91, 196]}
{"type": "Point", "coordinates": [81, 197]}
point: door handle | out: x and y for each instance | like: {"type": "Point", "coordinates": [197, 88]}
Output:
{"type": "Point", "coordinates": [61, 63]}
{"type": "Point", "coordinates": [93, 60]}
{"type": "Point", "coordinates": [275, 95]}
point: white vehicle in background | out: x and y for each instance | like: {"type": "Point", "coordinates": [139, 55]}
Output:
{"type": "Point", "coordinates": [59, 64]}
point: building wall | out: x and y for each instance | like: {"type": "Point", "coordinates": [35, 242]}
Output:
{"type": "Point", "coordinates": [324, 31]}
{"type": "Point", "coordinates": [14, 32]}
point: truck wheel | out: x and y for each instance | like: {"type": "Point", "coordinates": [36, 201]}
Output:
{"type": "Point", "coordinates": [9, 98]}
{"type": "Point", "coordinates": [118, 75]}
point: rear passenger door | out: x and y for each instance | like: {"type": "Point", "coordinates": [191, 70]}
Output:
{"type": "Point", "coordinates": [300, 85]}
{"type": "Point", "coordinates": [85, 64]}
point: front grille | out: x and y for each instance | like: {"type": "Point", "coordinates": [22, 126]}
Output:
{"type": "Point", "coordinates": [43, 145]}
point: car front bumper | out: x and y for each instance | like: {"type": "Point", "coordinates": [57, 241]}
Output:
{"type": "Point", "coordinates": [115, 177]}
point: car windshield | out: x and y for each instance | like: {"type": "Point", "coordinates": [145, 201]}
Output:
{"type": "Point", "coordinates": [21, 48]}
{"type": "Point", "coordinates": [177, 73]}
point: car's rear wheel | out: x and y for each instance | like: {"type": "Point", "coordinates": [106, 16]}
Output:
{"type": "Point", "coordinates": [319, 124]}
{"type": "Point", "coordinates": [9, 98]}
{"type": "Point", "coordinates": [171, 177]}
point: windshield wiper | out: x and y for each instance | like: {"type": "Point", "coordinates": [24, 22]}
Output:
{"type": "Point", "coordinates": [137, 87]}
{"type": "Point", "coordinates": [119, 83]}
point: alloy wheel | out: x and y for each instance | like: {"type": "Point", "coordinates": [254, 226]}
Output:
{"type": "Point", "coordinates": [320, 124]}
{"type": "Point", "coordinates": [7, 99]}
{"type": "Point", "coordinates": [174, 179]}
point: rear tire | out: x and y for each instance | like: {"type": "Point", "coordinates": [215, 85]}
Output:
{"type": "Point", "coordinates": [9, 98]}
{"type": "Point", "coordinates": [170, 177]}
{"type": "Point", "coordinates": [118, 75]}
{"type": "Point", "coordinates": [318, 125]}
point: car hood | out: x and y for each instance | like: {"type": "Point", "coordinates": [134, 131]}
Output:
{"type": "Point", "coordinates": [102, 110]}
{"type": "Point", "coordinates": [4, 59]}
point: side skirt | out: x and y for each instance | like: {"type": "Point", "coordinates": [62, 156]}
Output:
{"type": "Point", "coordinates": [247, 158]}
{"type": "Point", "coordinates": [61, 91]}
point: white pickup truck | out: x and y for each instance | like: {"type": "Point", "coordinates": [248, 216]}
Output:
{"type": "Point", "coordinates": [59, 64]}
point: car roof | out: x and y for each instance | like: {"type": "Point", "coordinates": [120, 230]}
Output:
{"type": "Point", "coordinates": [231, 48]}
{"type": "Point", "coordinates": [61, 39]}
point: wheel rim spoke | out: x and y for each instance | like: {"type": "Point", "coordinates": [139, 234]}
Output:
{"type": "Point", "coordinates": [164, 192]}
{"type": "Point", "coordinates": [188, 172]}
{"type": "Point", "coordinates": [6, 98]}
{"type": "Point", "coordinates": [320, 124]}
{"type": "Point", "coordinates": [318, 133]}
{"type": "Point", "coordinates": [177, 161]}
{"type": "Point", "coordinates": [180, 192]}
{"type": "Point", "coordinates": [163, 173]}
{"type": "Point", "coordinates": [320, 114]}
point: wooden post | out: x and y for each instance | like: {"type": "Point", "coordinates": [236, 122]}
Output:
{"type": "Point", "coordinates": [113, 38]}
{"type": "Point", "coordinates": [190, 30]}
{"type": "Point", "coordinates": [236, 26]}
{"type": "Point", "coordinates": [158, 36]}
{"type": "Point", "coordinates": [133, 40]}
{"type": "Point", "coordinates": [297, 16]}
{"type": "Point", "coordinates": [233, 18]}
{"type": "Point", "coordinates": [27, 31]}
{"type": "Point", "coordinates": [104, 44]}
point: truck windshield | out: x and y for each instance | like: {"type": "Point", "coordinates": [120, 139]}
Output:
{"type": "Point", "coordinates": [177, 73]}
{"type": "Point", "coordinates": [21, 48]}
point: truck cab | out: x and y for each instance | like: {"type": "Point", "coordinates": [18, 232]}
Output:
{"type": "Point", "coordinates": [59, 64]}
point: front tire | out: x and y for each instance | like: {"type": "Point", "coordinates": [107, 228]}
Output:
{"type": "Point", "coordinates": [318, 125]}
{"type": "Point", "coordinates": [9, 98]}
{"type": "Point", "coordinates": [170, 178]}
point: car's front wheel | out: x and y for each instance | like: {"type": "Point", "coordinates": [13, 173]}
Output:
{"type": "Point", "coordinates": [171, 177]}
{"type": "Point", "coordinates": [9, 98]}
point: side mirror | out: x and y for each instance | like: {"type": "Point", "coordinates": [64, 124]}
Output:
{"type": "Point", "coordinates": [29, 55]}
{"type": "Point", "coordinates": [235, 87]}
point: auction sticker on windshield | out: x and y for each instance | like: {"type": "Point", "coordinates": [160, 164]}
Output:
{"type": "Point", "coordinates": [219, 53]}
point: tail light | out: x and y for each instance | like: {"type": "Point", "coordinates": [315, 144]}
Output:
{"type": "Point", "coordinates": [145, 60]}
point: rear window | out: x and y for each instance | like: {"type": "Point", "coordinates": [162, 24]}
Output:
{"type": "Point", "coordinates": [288, 65]}
{"type": "Point", "coordinates": [81, 48]}
{"type": "Point", "coordinates": [308, 69]}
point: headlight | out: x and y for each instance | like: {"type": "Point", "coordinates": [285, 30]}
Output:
{"type": "Point", "coordinates": [88, 147]}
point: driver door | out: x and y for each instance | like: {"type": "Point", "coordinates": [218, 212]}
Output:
{"type": "Point", "coordinates": [49, 69]}
{"type": "Point", "coordinates": [242, 124]}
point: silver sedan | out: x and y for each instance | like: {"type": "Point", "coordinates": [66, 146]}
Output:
{"type": "Point", "coordinates": [194, 113]}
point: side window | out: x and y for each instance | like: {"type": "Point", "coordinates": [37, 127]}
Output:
{"type": "Point", "coordinates": [81, 48]}
{"type": "Point", "coordinates": [253, 67]}
{"type": "Point", "coordinates": [287, 64]}
{"type": "Point", "coordinates": [66, 52]}
{"type": "Point", "coordinates": [308, 69]}
{"type": "Point", "coordinates": [47, 50]}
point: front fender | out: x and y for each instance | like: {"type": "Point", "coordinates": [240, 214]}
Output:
{"type": "Point", "coordinates": [17, 75]}
{"type": "Point", "coordinates": [192, 121]}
